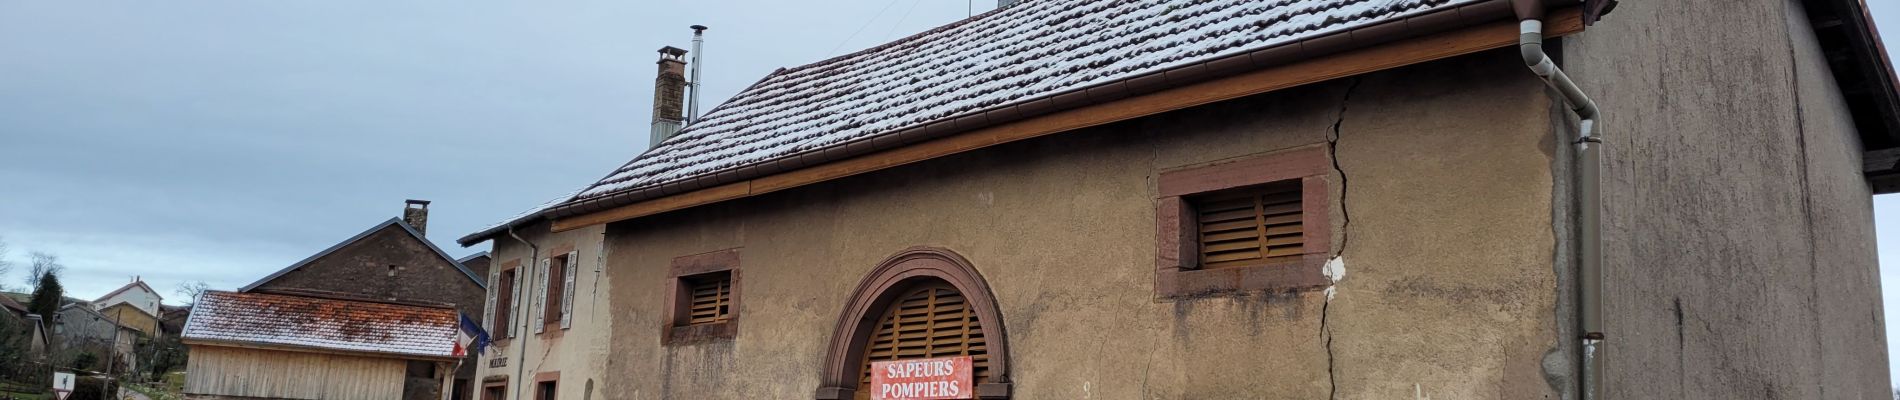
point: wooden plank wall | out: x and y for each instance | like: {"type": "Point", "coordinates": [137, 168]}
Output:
{"type": "Point", "coordinates": [231, 371]}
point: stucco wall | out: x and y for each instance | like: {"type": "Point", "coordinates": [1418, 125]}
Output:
{"type": "Point", "coordinates": [579, 353]}
{"type": "Point", "coordinates": [1449, 291]}
{"type": "Point", "coordinates": [1739, 240]}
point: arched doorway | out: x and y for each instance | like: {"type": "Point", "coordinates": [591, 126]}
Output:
{"type": "Point", "coordinates": [923, 302]}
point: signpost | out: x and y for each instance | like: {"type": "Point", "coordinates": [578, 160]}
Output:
{"type": "Point", "coordinates": [922, 379]}
{"type": "Point", "coordinates": [62, 385]}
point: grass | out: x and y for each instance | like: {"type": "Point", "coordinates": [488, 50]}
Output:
{"type": "Point", "coordinates": [155, 394]}
{"type": "Point", "coordinates": [24, 396]}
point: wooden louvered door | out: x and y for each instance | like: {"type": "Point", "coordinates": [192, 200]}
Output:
{"type": "Point", "coordinates": [712, 300]}
{"type": "Point", "coordinates": [1250, 227]}
{"type": "Point", "coordinates": [928, 321]}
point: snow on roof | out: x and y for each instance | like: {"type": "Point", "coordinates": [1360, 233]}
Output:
{"type": "Point", "coordinates": [1014, 54]}
{"type": "Point", "coordinates": [322, 324]}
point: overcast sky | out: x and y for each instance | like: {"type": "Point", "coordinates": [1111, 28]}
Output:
{"type": "Point", "coordinates": [223, 140]}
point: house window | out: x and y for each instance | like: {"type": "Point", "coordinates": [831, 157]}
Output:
{"type": "Point", "coordinates": [544, 391]}
{"type": "Point", "coordinates": [928, 321]}
{"type": "Point", "coordinates": [1255, 224]}
{"type": "Point", "coordinates": [504, 303]}
{"type": "Point", "coordinates": [551, 302]}
{"type": "Point", "coordinates": [495, 388]}
{"type": "Point", "coordinates": [705, 297]}
{"type": "Point", "coordinates": [711, 297]}
{"type": "Point", "coordinates": [1249, 226]}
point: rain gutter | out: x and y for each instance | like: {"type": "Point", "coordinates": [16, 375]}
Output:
{"type": "Point", "coordinates": [1588, 194]}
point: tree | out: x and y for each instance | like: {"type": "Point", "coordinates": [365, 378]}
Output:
{"type": "Point", "coordinates": [47, 296]}
{"type": "Point", "coordinates": [6, 267]}
{"type": "Point", "coordinates": [43, 264]}
{"type": "Point", "coordinates": [191, 290]}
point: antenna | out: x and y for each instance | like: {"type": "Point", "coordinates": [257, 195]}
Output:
{"type": "Point", "coordinates": [692, 97]}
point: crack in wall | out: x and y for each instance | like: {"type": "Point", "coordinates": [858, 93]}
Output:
{"type": "Point", "coordinates": [1332, 149]}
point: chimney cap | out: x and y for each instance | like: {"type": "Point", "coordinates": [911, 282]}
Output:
{"type": "Point", "coordinates": [672, 51]}
{"type": "Point", "coordinates": [423, 203]}
{"type": "Point", "coordinates": [698, 28]}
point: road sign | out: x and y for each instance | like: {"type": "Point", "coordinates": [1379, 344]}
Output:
{"type": "Point", "coordinates": [62, 385]}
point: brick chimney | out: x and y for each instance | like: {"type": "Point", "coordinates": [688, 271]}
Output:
{"type": "Point", "coordinates": [669, 95]}
{"type": "Point", "coordinates": [416, 214]}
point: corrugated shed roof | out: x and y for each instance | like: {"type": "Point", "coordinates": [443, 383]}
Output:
{"type": "Point", "coordinates": [1025, 52]}
{"type": "Point", "coordinates": [322, 324]}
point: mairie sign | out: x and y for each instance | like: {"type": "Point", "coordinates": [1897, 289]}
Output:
{"type": "Point", "coordinates": [922, 379]}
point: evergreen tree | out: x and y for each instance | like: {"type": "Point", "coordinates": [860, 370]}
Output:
{"type": "Point", "coordinates": [46, 296]}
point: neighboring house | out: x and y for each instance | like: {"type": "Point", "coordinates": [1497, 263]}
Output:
{"type": "Point", "coordinates": [136, 294]}
{"type": "Point", "coordinates": [36, 325]}
{"type": "Point", "coordinates": [1247, 199]}
{"type": "Point", "coordinates": [81, 329]}
{"type": "Point", "coordinates": [391, 261]}
{"type": "Point", "coordinates": [547, 317]}
{"type": "Point", "coordinates": [133, 317]}
{"type": "Point", "coordinates": [268, 346]}
{"type": "Point", "coordinates": [171, 319]}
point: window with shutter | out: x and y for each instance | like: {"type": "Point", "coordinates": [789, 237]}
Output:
{"type": "Point", "coordinates": [554, 298]}
{"type": "Point", "coordinates": [706, 295]}
{"type": "Point", "coordinates": [1249, 227]}
{"type": "Point", "coordinates": [567, 290]}
{"type": "Point", "coordinates": [711, 299]}
{"type": "Point", "coordinates": [1252, 224]}
{"type": "Point", "coordinates": [541, 286]}
{"type": "Point", "coordinates": [505, 304]}
{"type": "Point", "coordinates": [929, 321]}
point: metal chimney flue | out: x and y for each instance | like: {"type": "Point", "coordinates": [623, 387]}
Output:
{"type": "Point", "coordinates": [692, 99]}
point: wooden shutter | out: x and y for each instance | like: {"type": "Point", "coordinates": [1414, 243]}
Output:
{"type": "Point", "coordinates": [488, 307]}
{"type": "Point", "coordinates": [712, 299]}
{"type": "Point", "coordinates": [540, 302]}
{"type": "Point", "coordinates": [567, 290]}
{"type": "Point", "coordinates": [925, 322]}
{"type": "Point", "coordinates": [511, 284]}
{"type": "Point", "coordinates": [1251, 227]}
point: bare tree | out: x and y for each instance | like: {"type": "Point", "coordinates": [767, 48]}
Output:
{"type": "Point", "coordinates": [191, 290]}
{"type": "Point", "coordinates": [43, 264]}
{"type": "Point", "coordinates": [6, 267]}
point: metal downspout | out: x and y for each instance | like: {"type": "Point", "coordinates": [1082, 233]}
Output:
{"type": "Point", "coordinates": [1588, 195]}
{"type": "Point", "coordinates": [521, 348]}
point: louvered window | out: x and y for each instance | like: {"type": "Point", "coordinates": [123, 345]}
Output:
{"type": "Point", "coordinates": [711, 299]}
{"type": "Point", "coordinates": [926, 322]}
{"type": "Point", "coordinates": [1250, 227]}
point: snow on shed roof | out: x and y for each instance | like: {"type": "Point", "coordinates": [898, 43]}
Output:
{"type": "Point", "coordinates": [299, 322]}
{"type": "Point", "coordinates": [1026, 52]}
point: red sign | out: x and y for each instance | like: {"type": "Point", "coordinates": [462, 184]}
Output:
{"type": "Point", "coordinates": [922, 379]}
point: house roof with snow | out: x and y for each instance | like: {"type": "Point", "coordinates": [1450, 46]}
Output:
{"type": "Point", "coordinates": [1015, 60]}
{"type": "Point", "coordinates": [301, 323]}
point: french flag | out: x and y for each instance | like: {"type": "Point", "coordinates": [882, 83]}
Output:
{"type": "Point", "coordinates": [471, 336]}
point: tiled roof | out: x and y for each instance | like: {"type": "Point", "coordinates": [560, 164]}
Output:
{"type": "Point", "coordinates": [324, 324]}
{"type": "Point", "coordinates": [1013, 55]}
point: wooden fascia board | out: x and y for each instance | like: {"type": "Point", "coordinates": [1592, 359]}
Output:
{"type": "Point", "coordinates": [314, 350]}
{"type": "Point", "coordinates": [1372, 59]}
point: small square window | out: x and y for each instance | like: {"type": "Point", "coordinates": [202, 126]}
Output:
{"type": "Point", "coordinates": [705, 298]}
{"type": "Point", "coordinates": [1254, 224]}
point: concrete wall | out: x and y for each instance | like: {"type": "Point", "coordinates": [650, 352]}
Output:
{"type": "Point", "coordinates": [1445, 225]}
{"type": "Point", "coordinates": [578, 354]}
{"type": "Point", "coordinates": [363, 268]}
{"type": "Point", "coordinates": [1740, 244]}
{"type": "Point", "coordinates": [132, 317]}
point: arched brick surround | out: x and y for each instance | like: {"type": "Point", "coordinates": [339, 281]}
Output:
{"type": "Point", "coordinates": [913, 265]}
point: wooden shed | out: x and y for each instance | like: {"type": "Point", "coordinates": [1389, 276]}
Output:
{"type": "Point", "coordinates": [272, 346]}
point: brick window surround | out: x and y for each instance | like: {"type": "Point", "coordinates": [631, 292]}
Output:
{"type": "Point", "coordinates": [686, 270]}
{"type": "Point", "coordinates": [1178, 268]}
